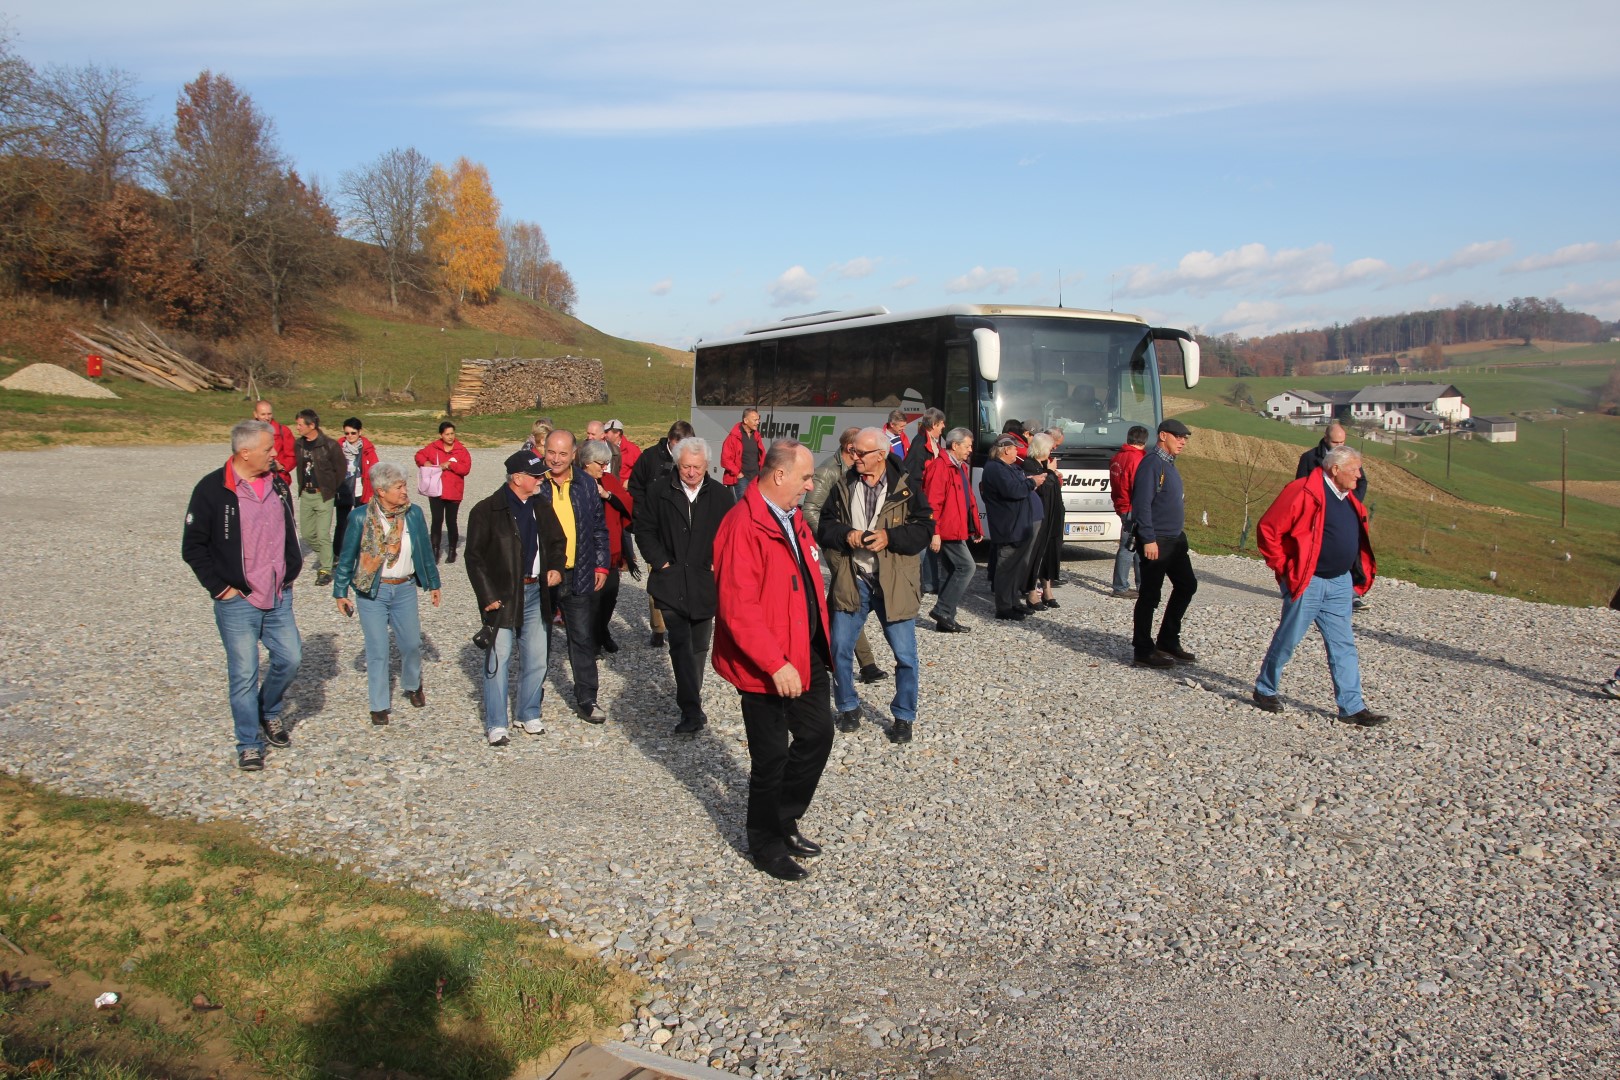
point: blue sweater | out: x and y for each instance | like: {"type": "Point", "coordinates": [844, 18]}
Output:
{"type": "Point", "coordinates": [1157, 499]}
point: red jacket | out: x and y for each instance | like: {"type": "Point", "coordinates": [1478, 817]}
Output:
{"type": "Point", "coordinates": [286, 449]}
{"type": "Point", "coordinates": [629, 452]}
{"type": "Point", "coordinates": [1122, 474]}
{"type": "Point", "coordinates": [955, 517]}
{"type": "Point", "coordinates": [617, 521]}
{"type": "Point", "coordinates": [1290, 535]}
{"type": "Point", "coordinates": [763, 615]}
{"type": "Point", "coordinates": [456, 463]}
{"type": "Point", "coordinates": [731, 454]}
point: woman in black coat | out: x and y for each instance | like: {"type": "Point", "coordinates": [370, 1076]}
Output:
{"type": "Point", "coordinates": [1048, 561]}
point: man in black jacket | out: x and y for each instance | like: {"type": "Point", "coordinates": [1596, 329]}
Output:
{"type": "Point", "coordinates": [675, 524]}
{"type": "Point", "coordinates": [654, 464]}
{"type": "Point", "coordinates": [321, 467]}
{"type": "Point", "coordinates": [515, 551]}
{"type": "Point", "coordinates": [240, 542]}
{"type": "Point", "coordinates": [1311, 460]}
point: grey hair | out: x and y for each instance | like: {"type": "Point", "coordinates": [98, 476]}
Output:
{"type": "Point", "coordinates": [956, 435]}
{"type": "Point", "coordinates": [1342, 454]}
{"type": "Point", "coordinates": [593, 450]}
{"type": "Point", "coordinates": [385, 474]}
{"type": "Point", "coordinates": [692, 444]}
{"type": "Point", "coordinates": [1056, 433]}
{"type": "Point", "coordinates": [877, 433]}
{"type": "Point", "coordinates": [245, 432]}
{"type": "Point", "coordinates": [932, 416]}
{"type": "Point", "coordinates": [1040, 446]}
{"type": "Point", "coordinates": [781, 454]}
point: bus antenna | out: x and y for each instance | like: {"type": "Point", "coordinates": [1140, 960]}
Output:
{"type": "Point", "coordinates": [1060, 286]}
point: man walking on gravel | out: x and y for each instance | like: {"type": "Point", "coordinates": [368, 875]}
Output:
{"type": "Point", "coordinates": [1314, 538]}
{"type": "Point", "coordinates": [829, 473]}
{"type": "Point", "coordinates": [571, 494]}
{"type": "Point", "coordinates": [1311, 460]}
{"type": "Point", "coordinates": [771, 643]}
{"type": "Point", "coordinates": [240, 541]}
{"type": "Point", "coordinates": [286, 458]}
{"type": "Point", "coordinates": [515, 552]}
{"type": "Point", "coordinates": [321, 466]}
{"type": "Point", "coordinates": [1159, 506]}
{"type": "Point", "coordinates": [650, 468]}
{"type": "Point", "coordinates": [741, 453]}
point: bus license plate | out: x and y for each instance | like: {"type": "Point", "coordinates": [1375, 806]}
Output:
{"type": "Point", "coordinates": [1088, 528]}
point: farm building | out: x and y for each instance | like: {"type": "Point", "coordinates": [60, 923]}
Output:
{"type": "Point", "coordinates": [1442, 399]}
{"type": "Point", "coordinates": [1496, 428]}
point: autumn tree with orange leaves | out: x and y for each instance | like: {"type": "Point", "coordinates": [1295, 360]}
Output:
{"type": "Point", "coordinates": [464, 231]}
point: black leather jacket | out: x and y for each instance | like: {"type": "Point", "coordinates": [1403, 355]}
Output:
{"type": "Point", "coordinates": [494, 555]}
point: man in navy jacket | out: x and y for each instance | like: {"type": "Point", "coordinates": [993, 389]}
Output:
{"type": "Point", "coordinates": [1161, 518]}
{"type": "Point", "coordinates": [1006, 491]}
{"type": "Point", "coordinates": [571, 493]}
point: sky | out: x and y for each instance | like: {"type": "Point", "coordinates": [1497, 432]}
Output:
{"type": "Point", "coordinates": [1245, 167]}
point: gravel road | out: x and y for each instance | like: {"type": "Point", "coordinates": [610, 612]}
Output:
{"type": "Point", "coordinates": [1078, 869]}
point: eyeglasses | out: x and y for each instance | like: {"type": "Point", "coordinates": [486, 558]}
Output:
{"type": "Point", "coordinates": [859, 454]}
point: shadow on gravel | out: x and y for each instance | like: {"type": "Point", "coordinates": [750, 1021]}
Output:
{"type": "Point", "coordinates": [1455, 655]}
{"type": "Point", "coordinates": [306, 698]}
{"type": "Point", "coordinates": [1206, 578]}
{"type": "Point", "coordinates": [704, 765]}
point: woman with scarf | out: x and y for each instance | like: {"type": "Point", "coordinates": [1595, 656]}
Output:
{"type": "Point", "coordinates": [596, 457]}
{"type": "Point", "coordinates": [386, 557]}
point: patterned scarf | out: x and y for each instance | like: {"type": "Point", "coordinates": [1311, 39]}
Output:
{"type": "Point", "coordinates": [379, 542]}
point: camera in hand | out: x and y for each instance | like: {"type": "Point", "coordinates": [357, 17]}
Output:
{"type": "Point", "coordinates": [485, 638]}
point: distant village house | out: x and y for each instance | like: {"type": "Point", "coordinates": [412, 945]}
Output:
{"type": "Point", "coordinates": [1409, 408]}
{"type": "Point", "coordinates": [1496, 428]}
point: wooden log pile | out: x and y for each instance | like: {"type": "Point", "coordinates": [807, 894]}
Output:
{"type": "Point", "coordinates": [143, 355]}
{"type": "Point", "coordinates": [521, 385]}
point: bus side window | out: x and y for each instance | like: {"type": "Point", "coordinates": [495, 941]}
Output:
{"type": "Point", "coordinates": [851, 367]}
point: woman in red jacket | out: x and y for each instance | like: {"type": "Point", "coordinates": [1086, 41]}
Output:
{"type": "Point", "coordinates": [454, 462]}
{"type": "Point", "coordinates": [596, 458]}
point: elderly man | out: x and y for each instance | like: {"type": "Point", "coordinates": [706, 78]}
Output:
{"type": "Point", "coordinates": [241, 543]}
{"type": "Point", "coordinates": [1009, 505]}
{"type": "Point", "coordinates": [571, 494]}
{"type": "Point", "coordinates": [1313, 459]}
{"type": "Point", "coordinates": [654, 465]}
{"type": "Point", "coordinates": [625, 452]}
{"type": "Point", "coordinates": [286, 458]}
{"type": "Point", "coordinates": [675, 527]}
{"type": "Point", "coordinates": [873, 526]}
{"type": "Point", "coordinates": [770, 642]}
{"type": "Point", "coordinates": [1161, 517]}
{"type": "Point", "coordinates": [741, 453]}
{"type": "Point", "coordinates": [829, 473]}
{"type": "Point", "coordinates": [321, 466]}
{"type": "Point", "coordinates": [1314, 538]}
{"type": "Point", "coordinates": [948, 483]}
{"type": "Point", "coordinates": [515, 553]}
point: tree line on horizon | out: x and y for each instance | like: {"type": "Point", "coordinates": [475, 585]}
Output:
{"type": "Point", "coordinates": [1423, 333]}
{"type": "Point", "coordinates": [206, 227]}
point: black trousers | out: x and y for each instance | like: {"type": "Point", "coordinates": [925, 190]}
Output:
{"type": "Point", "coordinates": [1174, 563]}
{"type": "Point", "coordinates": [606, 601]}
{"type": "Point", "coordinates": [444, 513]}
{"type": "Point", "coordinates": [344, 505]}
{"type": "Point", "coordinates": [789, 740]}
{"type": "Point", "coordinates": [577, 609]}
{"type": "Point", "coordinates": [688, 655]}
{"type": "Point", "coordinates": [1012, 569]}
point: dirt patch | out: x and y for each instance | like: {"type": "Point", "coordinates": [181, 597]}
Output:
{"type": "Point", "coordinates": [1606, 492]}
{"type": "Point", "coordinates": [1174, 405]}
{"type": "Point", "coordinates": [1268, 456]}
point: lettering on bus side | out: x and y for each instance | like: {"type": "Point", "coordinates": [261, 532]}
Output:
{"type": "Point", "coordinates": [1089, 481]}
{"type": "Point", "coordinates": [775, 430]}
{"type": "Point", "coordinates": [820, 428]}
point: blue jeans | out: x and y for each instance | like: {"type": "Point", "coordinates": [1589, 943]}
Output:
{"type": "Point", "coordinates": [394, 606]}
{"type": "Point", "coordinates": [1123, 559]}
{"type": "Point", "coordinates": [1325, 602]}
{"type": "Point", "coordinates": [531, 664]}
{"type": "Point", "coordinates": [902, 635]}
{"type": "Point", "coordinates": [241, 627]}
{"type": "Point", "coordinates": [955, 555]}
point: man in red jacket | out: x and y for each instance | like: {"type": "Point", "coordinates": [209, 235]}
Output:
{"type": "Point", "coordinates": [741, 454]}
{"type": "Point", "coordinates": [1121, 475]}
{"type": "Point", "coordinates": [286, 450]}
{"type": "Point", "coordinates": [772, 643]}
{"type": "Point", "coordinates": [948, 483]}
{"type": "Point", "coordinates": [1314, 538]}
{"type": "Point", "coordinates": [625, 452]}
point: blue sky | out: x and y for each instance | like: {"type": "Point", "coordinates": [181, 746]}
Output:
{"type": "Point", "coordinates": [1244, 167]}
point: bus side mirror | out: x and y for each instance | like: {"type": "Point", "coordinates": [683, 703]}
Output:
{"type": "Point", "coordinates": [988, 344]}
{"type": "Point", "coordinates": [1190, 356]}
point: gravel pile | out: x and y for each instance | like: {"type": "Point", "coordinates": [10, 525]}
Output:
{"type": "Point", "coordinates": [50, 379]}
{"type": "Point", "coordinates": [1077, 869]}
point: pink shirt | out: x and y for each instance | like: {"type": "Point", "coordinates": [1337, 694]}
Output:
{"type": "Point", "coordinates": [264, 541]}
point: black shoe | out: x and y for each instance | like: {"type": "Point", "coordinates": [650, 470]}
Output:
{"type": "Point", "coordinates": [945, 626]}
{"type": "Point", "coordinates": [848, 721]}
{"type": "Point", "coordinates": [782, 868]}
{"type": "Point", "coordinates": [1267, 702]}
{"type": "Point", "coordinates": [1177, 654]}
{"type": "Point", "coordinates": [803, 848]}
{"type": "Point", "coordinates": [323, 577]}
{"type": "Point", "coordinates": [1012, 616]}
{"type": "Point", "coordinates": [451, 556]}
{"type": "Point", "coordinates": [379, 718]}
{"type": "Point", "coordinates": [1357, 604]}
{"type": "Point", "coordinates": [958, 628]}
{"type": "Point", "coordinates": [1365, 718]}
{"type": "Point", "coordinates": [873, 673]}
{"type": "Point", "coordinates": [656, 641]}
{"type": "Point", "coordinates": [900, 732]}
{"type": "Point", "coordinates": [608, 644]}
{"type": "Point", "coordinates": [690, 725]}
{"type": "Point", "coordinates": [1153, 660]}
{"type": "Point", "coordinates": [592, 714]}
{"type": "Point", "coordinates": [1051, 602]}
{"type": "Point", "coordinates": [275, 733]}
{"type": "Point", "coordinates": [250, 760]}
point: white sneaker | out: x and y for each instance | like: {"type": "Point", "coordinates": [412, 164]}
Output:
{"type": "Point", "coordinates": [497, 736]}
{"type": "Point", "coordinates": [534, 727]}
{"type": "Point", "coordinates": [1612, 687]}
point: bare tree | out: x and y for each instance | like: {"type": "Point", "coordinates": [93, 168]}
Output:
{"type": "Point", "coordinates": [386, 205]}
{"type": "Point", "coordinates": [289, 248]}
{"type": "Point", "coordinates": [97, 125]}
{"type": "Point", "coordinates": [527, 251]}
{"type": "Point", "coordinates": [222, 165]}
{"type": "Point", "coordinates": [19, 114]}
{"type": "Point", "coordinates": [557, 287]}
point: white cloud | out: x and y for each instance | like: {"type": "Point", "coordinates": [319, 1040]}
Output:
{"type": "Point", "coordinates": [1600, 298]}
{"type": "Point", "coordinates": [794, 286]}
{"type": "Point", "coordinates": [1250, 318]}
{"type": "Point", "coordinates": [905, 283]}
{"type": "Point", "coordinates": [979, 279]}
{"type": "Point", "coordinates": [1252, 267]}
{"type": "Point", "coordinates": [855, 268]}
{"type": "Point", "coordinates": [1570, 255]}
{"type": "Point", "coordinates": [1463, 258]}
{"type": "Point", "coordinates": [663, 287]}
{"type": "Point", "coordinates": [1026, 162]}
{"type": "Point", "coordinates": [716, 297]}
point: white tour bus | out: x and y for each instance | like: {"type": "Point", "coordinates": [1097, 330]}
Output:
{"type": "Point", "coordinates": [1095, 374]}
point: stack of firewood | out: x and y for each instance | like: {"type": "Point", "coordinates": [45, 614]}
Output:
{"type": "Point", "coordinates": [143, 355]}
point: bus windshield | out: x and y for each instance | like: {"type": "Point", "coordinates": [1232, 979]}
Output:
{"type": "Point", "coordinates": [1095, 380]}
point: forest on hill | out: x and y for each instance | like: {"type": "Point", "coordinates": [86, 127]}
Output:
{"type": "Point", "coordinates": [204, 227]}
{"type": "Point", "coordinates": [1427, 334]}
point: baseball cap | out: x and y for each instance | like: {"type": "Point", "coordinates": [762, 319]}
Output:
{"type": "Point", "coordinates": [1174, 427]}
{"type": "Point", "coordinates": [525, 462]}
{"type": "Point", "coordinates": [612, 425]}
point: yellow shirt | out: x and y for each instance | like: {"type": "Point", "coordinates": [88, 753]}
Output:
{"type": "Point", "coordinates": [563, 507]}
